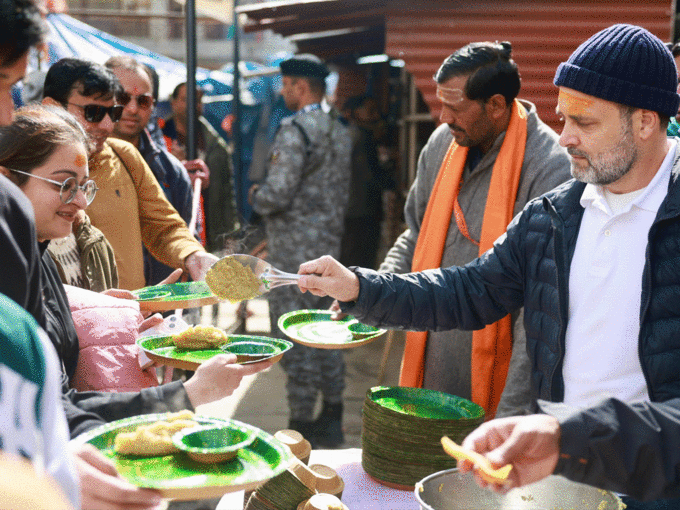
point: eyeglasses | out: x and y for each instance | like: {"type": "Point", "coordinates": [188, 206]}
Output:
{"type": "Point", "coordinates": [144, 101]}
{"type": "Point", "coordinates": [68, 188]}
{"type": "Point", "coordinates": [95, 112]}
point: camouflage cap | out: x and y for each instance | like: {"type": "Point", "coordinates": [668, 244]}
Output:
{"type": "Point", "coordinates": [304, 65]}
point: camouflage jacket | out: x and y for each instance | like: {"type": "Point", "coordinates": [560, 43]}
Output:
{"type": "Point", "coordinates": [304, 197]}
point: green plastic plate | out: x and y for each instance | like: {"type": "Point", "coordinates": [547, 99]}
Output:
{"type": "Point", "coordinates": [161, 350]}
{"type": "Point", "coordinates": [177, 476]}
{"type": "Point", "coordinates": [172, 296]}
{"type": "Point", "coordinates": [315, 328]}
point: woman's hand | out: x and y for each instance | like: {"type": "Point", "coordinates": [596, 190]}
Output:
{"type": "Point", "coordinates": [103, 488]}
{"type": "Point", "coordinates": [218, 378]}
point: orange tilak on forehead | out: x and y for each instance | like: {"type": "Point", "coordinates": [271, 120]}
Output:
{"type": "Point", "coordinates": [569, 104]}
{"type": "Point", "coordinates": [81, 160]}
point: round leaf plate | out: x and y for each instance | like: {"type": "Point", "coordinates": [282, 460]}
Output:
{"type": "Point", "coordinates": [161, 350]}
{"type": "Point", "coordinates": [178, 477]}
{"type": "Point", "coordinates": [422, 403]}
{"type": "Point", "coordinates": [171, 296]}
{"type": "Point", "coordinates": [315, 328]}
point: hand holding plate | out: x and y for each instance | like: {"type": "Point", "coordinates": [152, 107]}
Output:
{"type": "Point", "coordinates": [219, 377]}
{"type": "Point", "coordinates": [198, 264]}
{"type": "Point", "coordinates": [102, 487]}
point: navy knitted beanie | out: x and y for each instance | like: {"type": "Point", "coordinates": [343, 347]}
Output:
{"type": "Point", "coordinates": [624, 64]}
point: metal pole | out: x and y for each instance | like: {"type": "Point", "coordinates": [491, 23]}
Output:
{"type": "Point", "coordinates": [238, 143]}
{"type": "Point", "coordinates": [191, 79]}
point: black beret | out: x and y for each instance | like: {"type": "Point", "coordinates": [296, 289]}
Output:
{"type": "Point", "coordinates": [304, 65]}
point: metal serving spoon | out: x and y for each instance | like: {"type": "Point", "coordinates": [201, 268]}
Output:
{"type": "Point", "coordinates": [269, 276]}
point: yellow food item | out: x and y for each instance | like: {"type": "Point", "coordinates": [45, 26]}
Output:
{"type": "Point", "coordinates": [229, 279]}
{"type": "Point", "coordinates": [154, 439]}
{"type": "Point", "coordinates": [200, 337]}
{"type": "Point", "coordinates": [486, 470]}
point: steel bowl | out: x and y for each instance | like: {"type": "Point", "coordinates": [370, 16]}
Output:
{"type": "Point", "coordinates": [452, 490]}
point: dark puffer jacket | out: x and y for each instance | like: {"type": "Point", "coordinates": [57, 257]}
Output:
{"type": "Point", "coordinates": [627, 448]}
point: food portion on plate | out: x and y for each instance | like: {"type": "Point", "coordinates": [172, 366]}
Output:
{"type": "Point", "coordinates": [189, 355]}
{"type": "Point", "coordinates": [154, 439]}
{"type": "Point", "coordinates": [177, 475]}
{"type": "Point", "coordinates": [200, 337]}
{"type": "Point", "coordinates": [231, 280]}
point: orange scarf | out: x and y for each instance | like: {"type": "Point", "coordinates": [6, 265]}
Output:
{"type": "Point", "coordinates": [491, 346]}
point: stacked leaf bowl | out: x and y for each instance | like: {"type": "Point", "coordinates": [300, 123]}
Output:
{"type": "Point", "coordinates": [402, 428]}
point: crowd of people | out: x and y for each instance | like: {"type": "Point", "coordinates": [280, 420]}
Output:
{"type": "Point", "coordinates": [536, 277]}
{"type": "Point", "coordinates": [591, 262]}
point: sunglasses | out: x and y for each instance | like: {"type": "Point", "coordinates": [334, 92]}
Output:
{"type": "Point", "coordinates": [95, 112]}
{"type": "Point", "coordinates": [144, 101]}
{"type": "Point", "coordinates": [68, 188]}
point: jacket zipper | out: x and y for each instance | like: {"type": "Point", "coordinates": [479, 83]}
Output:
{"type": "Point", "coordinates": [647, 271]}
{"type": "Point", "coordinates": [646, 291]}
{"type": "Point", "coordinates": [558, 245]}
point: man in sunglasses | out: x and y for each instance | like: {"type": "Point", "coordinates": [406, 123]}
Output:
{"type": "Point", "coordinates": [131, 208]}
{"type": "Point", "coordinates": [138, 102]}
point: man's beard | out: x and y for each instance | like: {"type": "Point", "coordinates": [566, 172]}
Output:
{"type": "Point", "coordinates": [608, 166]}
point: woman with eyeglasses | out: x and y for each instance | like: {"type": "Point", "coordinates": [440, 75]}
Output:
{"type": "Point", "coordinates": [83, 256]}
{"type": "Point", "coordinates": [45, 152]}
{"type": "Point", "coordinates": [40, 151]}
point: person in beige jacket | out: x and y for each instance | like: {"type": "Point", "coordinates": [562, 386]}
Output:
{"type": "Point", "coordinates": [131, 208]}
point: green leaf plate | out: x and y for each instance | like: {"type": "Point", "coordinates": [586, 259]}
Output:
{"type": "Point", "coordinates": [420, 403]}
{"type": "Point", "coordinates": [315, 328]}
{"type": "Point", "coordinates": [171, 296]}
{"type": "Point", "coordinates": [161, 350]}
{"type": "Point", "coordinates": [178, 477]}
{"type": "Point", "coordinates": [402, 429]}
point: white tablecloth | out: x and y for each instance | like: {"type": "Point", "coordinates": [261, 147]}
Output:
{"type": "Point", "coordinates": [361, 492]}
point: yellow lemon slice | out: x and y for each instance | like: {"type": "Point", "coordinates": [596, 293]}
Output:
{"type": "Point", "coordinates": [486, 470]}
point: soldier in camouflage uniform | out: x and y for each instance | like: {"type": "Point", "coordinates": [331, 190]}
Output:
{"type": "Point", "coordinates": [303, 201]}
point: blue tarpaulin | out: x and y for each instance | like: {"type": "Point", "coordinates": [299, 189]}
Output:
{"type": "Point", "coordinates": [72, 38]}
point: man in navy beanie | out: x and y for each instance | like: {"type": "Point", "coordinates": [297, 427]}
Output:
{"type": "Point", "coordinates": [596, 265]}
{"type": "Point", "coordinates": [621, 361]}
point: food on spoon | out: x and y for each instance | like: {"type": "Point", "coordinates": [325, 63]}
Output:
{"type": "Point", "coordinates": [486, 470]}
{"type": "Point", "coordinates": [154, 439]}
{"type": "Point", "coordinates": [229, 279]}
{"type": "Point", "coordinates": [200, 337]}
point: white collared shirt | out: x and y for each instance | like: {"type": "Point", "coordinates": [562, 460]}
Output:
{"type": "Point", "coordinates": [605, 285]}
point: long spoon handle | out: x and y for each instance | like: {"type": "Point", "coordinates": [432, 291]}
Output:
{"type": "Point", "coordinates": [276, 278]}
